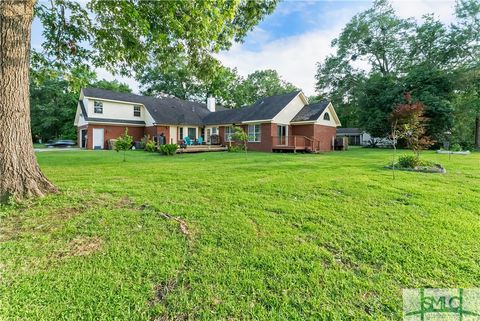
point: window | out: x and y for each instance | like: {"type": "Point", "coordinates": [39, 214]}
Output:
{"type": "Point", "coordinates": [326, 116]}
{"type": "Point", "coordinates": [229, 131]}
{"type": "Point", "coordinates": [192, 133]}
{"type": "Point", "coordinates": [180, 133]}
{"type": "Point", "coordinates": [137, 111]}
{"type": "Point", "coordinates": [97, 107]}
{"type": "Point", "coordinates": [254, 133]}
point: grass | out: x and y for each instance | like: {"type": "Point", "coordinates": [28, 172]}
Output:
{"type": "Point", "coordinates": [221, 236]}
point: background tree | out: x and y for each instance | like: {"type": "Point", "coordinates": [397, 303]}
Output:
{"type": "Point", "coordinates": [410, 125]}
{"type": "Point", "coordinates": [259, 84]}
{"type": "Point", "coordinates": [122, 36]}
{"type": "Point", "coordinates": [379, 55]}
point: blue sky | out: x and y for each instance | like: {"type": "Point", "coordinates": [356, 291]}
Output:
{"type": "Point", "coordinates": [297, 36]}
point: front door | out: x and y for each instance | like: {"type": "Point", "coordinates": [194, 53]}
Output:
{"type": "Point", "coordinates": [98, 140]}
{"type": "Point", "coordinates": [282, 134]}
{"type": "Point", "coordinates": [83, 138]}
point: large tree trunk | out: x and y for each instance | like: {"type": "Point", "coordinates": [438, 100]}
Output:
{"type": "Point", "coordinates": [477, 132]}
{"type": "Point", "coordinates": [20, 175]}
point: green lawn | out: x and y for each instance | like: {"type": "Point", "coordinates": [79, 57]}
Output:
{"type": "Point", "coordinates": [224, 236]}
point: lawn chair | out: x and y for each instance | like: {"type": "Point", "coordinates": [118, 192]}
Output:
{"type": "Point", "coordinates": [200, 141]}
{"type": "Point", "coordinates": [187, 141]}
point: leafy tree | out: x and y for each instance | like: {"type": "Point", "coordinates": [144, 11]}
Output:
{"type": "Point", "coordinates": [434, 88]}
{"type": "Point", "coordinates": [376, 35]}
{"type": "Point", "coordinates": [124, 143]}
{"type": "Point", "coordinates": [241, 136]}
{"type": "Point", "coordinates": [409, 123]}
{"type": "Point", "coordinates": [118, 35]}
{"type": "Point", "coordinates": [114, 85]}
{"type": "Point", "coordinates": [379, 96]}
{"type": "Point", "coordinates": [259, 84]}
{"type": "Point", "coordinates": [53, 108]}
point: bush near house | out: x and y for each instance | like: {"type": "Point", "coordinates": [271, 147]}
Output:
{"type": "Point", "coordinates": [168, 149]}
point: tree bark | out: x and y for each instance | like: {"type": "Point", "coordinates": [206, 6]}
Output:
{"type": "Point", "coordinates": [477, 132]}
{"type": "Point", "coordinates": [20, 175]}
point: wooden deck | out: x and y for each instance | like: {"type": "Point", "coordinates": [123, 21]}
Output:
{"type": "Point", "coordinates": [201, 149]}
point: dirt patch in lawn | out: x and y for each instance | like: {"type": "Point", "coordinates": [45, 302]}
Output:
{"type": "Point", "coordinates": [81, 246]}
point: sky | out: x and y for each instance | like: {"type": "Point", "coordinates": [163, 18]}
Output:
{"type": "Point", "coordinates": [296, 36]}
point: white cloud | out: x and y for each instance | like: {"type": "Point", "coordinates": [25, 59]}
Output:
{"type": "Point", "coordinates": [295, 57]}
{"type": "Point", "coordinates": [442, 9]}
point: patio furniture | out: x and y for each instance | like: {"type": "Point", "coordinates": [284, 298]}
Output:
{"type": "Point", "coordinates": [187, 141]}
{"type": "Point", "coordinates": [200, 141]}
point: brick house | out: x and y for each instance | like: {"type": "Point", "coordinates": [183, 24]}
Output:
{"type": "Point", "coordinates": [282, 122]}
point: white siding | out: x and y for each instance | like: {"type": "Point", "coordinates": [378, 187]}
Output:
{"type": "Point", "coordinates": [114, 110]}
{"type": "Point", "coordinates": [331, 113]}
{"type": "Point", "coordinates": [287, 113]}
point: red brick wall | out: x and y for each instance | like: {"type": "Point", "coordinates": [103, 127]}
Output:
{"type": "Point", "coordinates": [153, 131]}
{"type": "Point", "coordinates": [265, 145]}
{"type": "Point", "coordinates": [324, 134]}
{"type": "Point", "coordinates": [112, 132]}
{"type": "Point", "coordinates": [303, 130]}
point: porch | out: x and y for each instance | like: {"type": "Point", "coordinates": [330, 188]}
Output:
{"type": "Point", "coordinates": [295, 143]}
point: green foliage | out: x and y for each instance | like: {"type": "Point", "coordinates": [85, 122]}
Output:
{"type": "Point", "coordinates": [431, 59]}
{"type": "Point", "coordinates": [52, 108]}
{"type": "Point", "coordinates": [124, 143]}
{"type": "Point", "coordinates": [241, 137]}
{"type": "Point", "coordinates": [142, 31]}
{"type": "Point", "coordinates": [456, 147]}
{"type": "Point", "coordinates": [148, 144]}
{"type": "Point", "coordinates": [168, 149]}
{"type": "Point", "coordinates": [409, 161]}
{"type": "Point", "coordinates": [114, 85]}
{"type": "Point", "coordinates": [262, 83]}
{"type": "Point", "coordinates": [234, 148]}
{"type": "Point", "coordinates": [231, 90]}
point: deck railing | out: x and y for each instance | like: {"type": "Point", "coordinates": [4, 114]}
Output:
{"type": "Point", "coordinates": [295, 142]}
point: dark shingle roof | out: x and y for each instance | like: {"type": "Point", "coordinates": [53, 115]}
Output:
{"type": "Point", "coordinates": [265, 108]}
{"type": "Point", "coordinates": [311, 112]}
{"type": "Point", "coordinates": [352, 131]}
{"type": "Point", "coordinates": [164, 110]}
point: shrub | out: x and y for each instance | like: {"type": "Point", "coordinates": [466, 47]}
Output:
{"type": "Point", "coordinates": [409, 161]}
{"type": "Point", "coordinates": [168, 149]}
{"type": "Point", "coordinates": [456, 148]}
{"type": "Point", "coordinates": [234, 148]}
{"type": "Point", "coordinates": [148, 144]}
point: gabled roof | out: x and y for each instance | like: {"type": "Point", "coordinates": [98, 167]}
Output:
{"type": "Point", "coordinates": [107, 120]}
{"type": "Point", "coordinates": [311, 112]}
{"type": "Point", "coordinates": [263, 109]}
{"type": "Point", "coordinates": [164, 110]}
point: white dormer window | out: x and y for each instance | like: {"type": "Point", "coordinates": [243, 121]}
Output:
{"type": "Point", "coordinates": [326, 116]}
{"type": "Point", "coordinates": [97, 107]}
{"type": "Point", "coordinates": [137, 111]}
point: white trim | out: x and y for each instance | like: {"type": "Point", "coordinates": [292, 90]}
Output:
{"type": "Point", "coordinates": [256, 121]}
{"type": "Point", "coordinates": [118, 124]}
{"type": "Point", "coordinates": [115, 101]}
